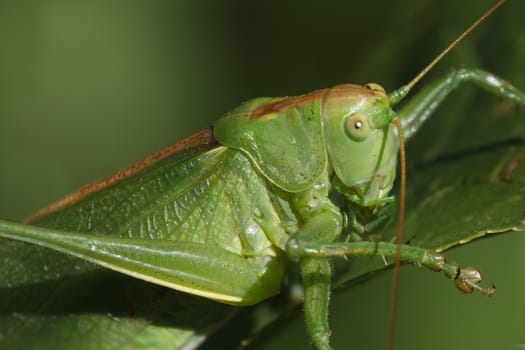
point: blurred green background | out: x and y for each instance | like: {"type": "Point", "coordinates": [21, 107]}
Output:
{"type": "Point", "coordinates": [86, 87]}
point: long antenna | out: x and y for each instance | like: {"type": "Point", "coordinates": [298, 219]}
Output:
{"type": "Point", "coordinates": [399, 236]}
{"type": "Point", "coordinates": [398, 95]}
{"type": "Point", "coordinates": [394, 98]}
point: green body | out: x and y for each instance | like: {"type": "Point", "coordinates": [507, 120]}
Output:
{"type": "Point", "coordinates": [205, 206]}
{"type": "Point", "coordinates": [222, 214]}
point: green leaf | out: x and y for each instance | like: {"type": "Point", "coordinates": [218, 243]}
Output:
{"type": "Point", "coordinates": [50, 300]}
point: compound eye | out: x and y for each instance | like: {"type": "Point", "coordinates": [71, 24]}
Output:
{"type": "Point", "coordinates": [356, 127]}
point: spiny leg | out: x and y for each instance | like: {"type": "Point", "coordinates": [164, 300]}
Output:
{"type": "Point", "coordinates": [316, 281]}
{"type": "Point", "coordinates": [316, 274]}
{"type": "Point", "coordinates": [466, 279]}
{"type": "Point", "coordinates": [323, 223]}
{"type": "Point", "coordinates": [425, 102]}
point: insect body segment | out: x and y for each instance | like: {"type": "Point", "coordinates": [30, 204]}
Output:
{"type": "Point", "coordinates": [360, 139]}
{"type": "Point", "coordinates": [282, 137]}
{"type": "Point", "coordinates": [206, 209]}
{"type": "Point", "coordinates": [349, 125]}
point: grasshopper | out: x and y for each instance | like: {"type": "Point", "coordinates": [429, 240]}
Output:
{"type": "Point", "coordinates": [220, 213]}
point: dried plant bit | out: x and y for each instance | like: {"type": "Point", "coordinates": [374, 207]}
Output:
{"type": "Point", "coordinates": [514, 164]}
{"type": "Point", "coordinates": [468, 279]}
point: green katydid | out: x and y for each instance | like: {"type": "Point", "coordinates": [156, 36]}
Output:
{"type": "Point", "coordinates": [279, 199]}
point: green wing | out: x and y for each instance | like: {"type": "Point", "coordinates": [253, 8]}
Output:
{"type": "Point", "coordinates": [203, 223]}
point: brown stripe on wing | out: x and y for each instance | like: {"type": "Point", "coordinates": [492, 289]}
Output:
{"type": "Point", "coordinates": [202, 140]}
